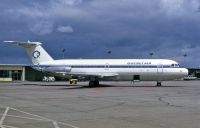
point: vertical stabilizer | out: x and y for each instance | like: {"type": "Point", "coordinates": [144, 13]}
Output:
{"type": "Point", "coordinates": [35, 51]}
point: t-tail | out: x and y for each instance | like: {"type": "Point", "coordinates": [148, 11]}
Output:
{"type": "Point", "coordinates": [35, 51]}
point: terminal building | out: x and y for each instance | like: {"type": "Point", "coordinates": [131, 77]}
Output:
{"type": "Point", "coordinates": [21, 72]}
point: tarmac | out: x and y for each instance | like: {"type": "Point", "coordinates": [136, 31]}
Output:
{"type": "Point", "coordinates": [113, 105]}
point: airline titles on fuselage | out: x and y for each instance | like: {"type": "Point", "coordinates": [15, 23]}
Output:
{"type": "Point", "coordinates": [138, 63]}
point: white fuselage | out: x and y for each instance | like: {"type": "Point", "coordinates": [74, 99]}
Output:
{"type": "Point", "coordinates": [116, 69]}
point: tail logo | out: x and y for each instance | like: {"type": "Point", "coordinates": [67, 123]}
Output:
{"type": "Point", "coordinates": [36, 54]}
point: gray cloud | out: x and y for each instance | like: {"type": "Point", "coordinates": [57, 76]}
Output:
{"type": "Point", "coordinates": [130, 28]}
{"type": "Point", "coordinates": [42, 27]}
{"type": "Point", "coordinates": [65, 29]}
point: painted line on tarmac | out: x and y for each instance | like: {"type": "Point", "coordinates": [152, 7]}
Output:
{"type": "Point", "coordinates": [44, 118]}
{"type": "Point", "coordinates": [55, 123]}
{"type": "Point", "coordinates": [6, 126]}
{"type": "Point", "coordinates": [66, 124]}
{"type": "Point", "coordinates": [29, 114]}
{"type": "Point", "coordinates": [3, 117]}
{"type": "Point", "coordinates": [29, 118]}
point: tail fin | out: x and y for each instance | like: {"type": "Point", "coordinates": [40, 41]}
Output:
{"type": "Point", "coordinates": [34, 50]}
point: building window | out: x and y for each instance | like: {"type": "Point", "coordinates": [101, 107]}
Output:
{"type": "Point", "coordinates": [16, 74]}
{"type": "Point", "coordinates": [4, 74]}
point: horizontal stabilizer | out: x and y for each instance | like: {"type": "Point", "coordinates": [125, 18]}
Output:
{"type": "Point", "coordinates": [20, 43]}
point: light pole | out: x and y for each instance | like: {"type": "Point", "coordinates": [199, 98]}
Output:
{"type": "Point", "coordinates": [184, 56]}
{"type": "Point", "coordinates": [109, 52]}
{"type": "Point", "coordinates": [151, 54]}
{"type": "Point", "coordinates": [63, 52]}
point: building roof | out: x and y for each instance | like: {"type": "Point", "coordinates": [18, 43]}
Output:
{"type": "Point", "coordinates": [14, 64]}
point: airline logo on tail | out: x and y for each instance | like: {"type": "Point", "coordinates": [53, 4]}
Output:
{"type": "Point", "coordinates": [36, 54]}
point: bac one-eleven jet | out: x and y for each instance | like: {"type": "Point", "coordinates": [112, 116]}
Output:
{"type": "Point", "coordinates": [114, 69]}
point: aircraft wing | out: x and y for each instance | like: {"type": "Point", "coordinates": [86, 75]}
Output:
{"type": "Point", "coordinates": [100, 75]}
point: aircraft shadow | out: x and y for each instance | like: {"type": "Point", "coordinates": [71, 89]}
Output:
{"type": "Point", "coordinates": [118, 86]}
{"type": "Point", "coordinates": [71, 87]}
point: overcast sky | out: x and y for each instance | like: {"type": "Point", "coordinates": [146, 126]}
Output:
{"type": "Point", "coordinates": [89, 28]}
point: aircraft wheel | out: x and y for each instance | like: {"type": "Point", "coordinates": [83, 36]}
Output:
{"type": "Point", "coordinates": [159, 84]}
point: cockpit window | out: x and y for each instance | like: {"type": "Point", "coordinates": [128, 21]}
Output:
{"type": "Point", "coordinates": [175, 65]}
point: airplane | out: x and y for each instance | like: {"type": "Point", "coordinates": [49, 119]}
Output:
{"type": "Point", "coordinates": [114, 69]}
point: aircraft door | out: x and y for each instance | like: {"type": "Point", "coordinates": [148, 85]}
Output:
{"type": "Point", "coordinates": [107, 66]}
{"type": "Point", "coordinates": [159, 71]}
{"type": "Point", "coordinates": [136, 78]}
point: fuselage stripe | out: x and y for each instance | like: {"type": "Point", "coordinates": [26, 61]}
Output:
{"type": "Point", "coordinates": [106, 66]}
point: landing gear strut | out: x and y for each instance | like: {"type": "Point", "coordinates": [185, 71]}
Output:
{"type": "Point", "coordinates": [94, 82]}
{"type": "Point", "coordinates": [159, 84]}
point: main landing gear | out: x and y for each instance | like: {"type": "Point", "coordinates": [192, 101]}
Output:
{"type": "Point", "coordinates": [94, 82]}
{"type": "Point", "coordinates": [159, 84]}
